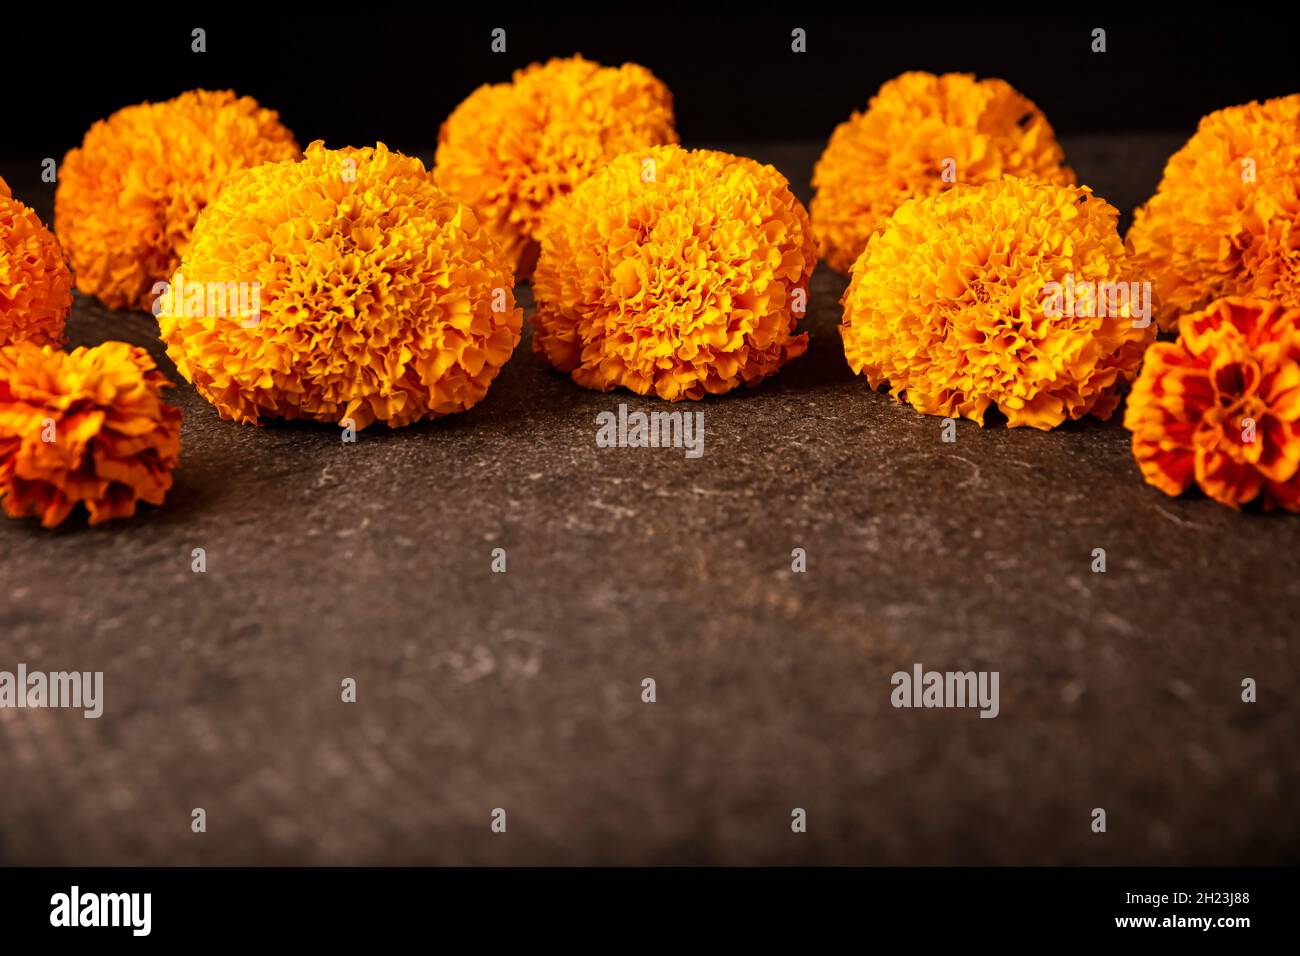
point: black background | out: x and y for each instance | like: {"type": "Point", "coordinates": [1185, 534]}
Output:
{"type": "Point", "coordinates": [352, 76]}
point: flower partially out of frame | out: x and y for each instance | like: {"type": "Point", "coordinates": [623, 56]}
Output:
{"type": "Point", "coordinates": [675, 273]}
{"type": "Point", "coordinates": [920, 134]}
{"type": "Point", "coordinates": [35, 284]}
{"type": "Point", "coordinates": [1220, 407]}
{"type": "Point", "coordinates": [85, 427]}
{"type": "Point", "coordinates": [1225, 220]}
{"type": "Point", "coordinates": [128, 196]}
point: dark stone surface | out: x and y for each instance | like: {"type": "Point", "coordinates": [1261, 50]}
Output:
{"type": "Point", "coordinates": [522, 690]}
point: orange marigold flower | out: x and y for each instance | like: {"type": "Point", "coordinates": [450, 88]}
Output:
{"type": "Point", "coordinates": [87, 426]}
{"type": "Point", "coordinates": [35, 284]}
{"type": "Point", "coordinates": [346, 286]}
{"type": "Point", "coordinates": [1221, 406]}
{"type": "Point", "coordinates": [1015, 294]}
{"type": "Point", "coordinates": [1225, 220]}
{"type": "Point", "coordinates": [510, 149]}
{"type": "Point", "coordinates": [128, 196]}
{"type": "Point", "coordinates": [674, 272]}
{"type": "Point", "coordinates": [920, 134]}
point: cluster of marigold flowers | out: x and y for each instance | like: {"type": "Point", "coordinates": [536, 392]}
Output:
{"type": "Point", "coordinates": [948, 302]}
{"type": "Point", "coordinates": [383, 292]}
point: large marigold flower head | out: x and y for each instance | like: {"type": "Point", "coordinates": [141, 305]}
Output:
{"type": "Point", "coordinates": [83, 427]}
{"type": "Point", "coordinates": [510, 149]}
{"type": "Point", "coordinates": [976, 297]}
{"type": "Point", "coordinates": [1225, 220]}
{"type": "Point", "coordinates": [364, 293]}
{"type": "Point", "coordinates": [128, 197]}
{"type": "Point", "coordinates": [1220, 407]}
{"type": "Point", "coordinates": [35, 284]}
{"type": "Point", "coordinates": [920, 134]}
{"type": "Point", "coordinates": [676, 273]}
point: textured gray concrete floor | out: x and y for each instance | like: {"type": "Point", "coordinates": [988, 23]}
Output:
{"type": "Point", "coordinates": [522, 690]}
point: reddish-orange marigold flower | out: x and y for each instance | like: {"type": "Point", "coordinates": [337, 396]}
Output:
{"type": "Point", "coordinates": [35, 284]}
{"type": "Point", "coordinates": [1221, 406]}
{"type": "Point", "coordinates": [87, 426]}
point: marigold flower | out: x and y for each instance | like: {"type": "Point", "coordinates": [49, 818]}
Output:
{"type": "Point", "coordinates": [35, 284]}
{"type": "Point", "coordinates": [1225, 220]}
{"type": "Point", "coordinates": [128, 196]}
{"type": "Point", "coordinates": [87, 426]}
{"type": "Point", "coordinates": [364, 293]}
{"type": "Point", "coordinates": [920, 134]}
{"type": "Point", "coordinates": [956, 304]}
{"type": "Point", "coordinates": [674, 272]}
{"type": "Point", "coordinates": [510, 149]}
{"type": "Point", "coordinates": [1221, 406]}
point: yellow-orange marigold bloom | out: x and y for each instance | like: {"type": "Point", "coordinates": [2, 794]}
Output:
{"type": "Point", "coordinates": [1221, 406]}
{"type": "Point", "coordinates": [84, 427]}
{"type": "Point", "coordinates": [35, 284]}
{"type": "Point", "coordinates": [128, 196]}
{"type": "Point", "coordinates": [920, 134]}
{"type": "Point", "coordinates": [365, 293]}
{"type": "Point", "coordinates": [1225, 220]}
{"type": "Point", "coordinates": [674, 272]}
{"type": "Point", "coordinates": [510, 149]}
{"type": "Point", "coordinates": [957, 304]}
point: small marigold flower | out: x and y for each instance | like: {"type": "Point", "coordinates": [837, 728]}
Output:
{"type": "Point", "coordinates": [87, 426]}
{"type": "Point", "coordinates": [363, 293]}
{"type": "Point", "coordinates": [128, 196]}
{"type": "Point", "coordinates": [35, 284]}
{"type": "Point", "coordinates": [920, 134]}
{"type": "Point", "coordinates": [1225, 220]}
{"type": "Point", "coordinates": [674, 272]}
{"type": "Point", "coordinates": [975, 297]}
{"type": "Point", "coordinates": [510, 149]}
{"type": "Point", "coordinates": [1221, 406]}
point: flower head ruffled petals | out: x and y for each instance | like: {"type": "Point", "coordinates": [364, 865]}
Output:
{"type": "Point", "coordinates": [510, 149]}
{"type": "Point", "coordinates": [1225, 220]}
{"type": "Point", "coordinates": [951, 304]}
{"type": "Point", "coordinates": [1220, 408]}
{"type": "Point", "coordinates": [129, 195]}
{"type": "Point", "coordinates": [35, 284]}
{"type": "Point", "coordinates": [83, 427]}
{"type": "Point", "coordinates": [919, 135]}
{"type": "Point", "coordinates": [351, 288]}
{"type": "Point", "coordinates": [673, 272]}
